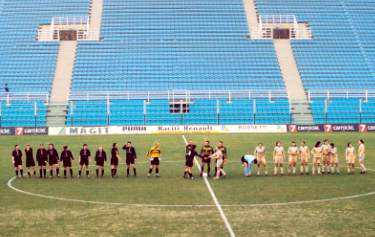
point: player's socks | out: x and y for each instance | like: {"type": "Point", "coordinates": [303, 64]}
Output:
{"type": "Point", "coordinates": [57, 171]}
{"type": "Point", "coordinates": [190, 175]}
{"type": "Point", "coordinates": [215, 169]}
{"type": "Point", "coordinates": [103, 172]}
{"type": "Point", "coordinates": [21, 172]}
{"type": "Point", "coordinates": [208, 171]}
{"type": "Point", "coordinates": [135, 171]}
{"type": "Point", "coordinates": [289, 170]}
{"type": "Point", "coordinates": [87, 172]}
{"type": "Point", "coordinates": [112, 172]}
{"type": "Point", "coordinates": [71, 172]}
{"type": "Point", "coordinates": [28, 173]}
{"type": "Point", "coordinates": [127, 171]}
{"type": "Point", "coordinates": [40, 173]}
{"type": "Point", "coordinates": [79, 173]}
{"type": "Point", "coordinates": [115, 172]}
{"type": "Point", "coordinates": [64, 173]}
{"type": "Point", "coordinates": [275, 171]}
{"type": "Point", "coordinates": [318, 169]}
{"type": "Point", "coordinates": [97, 172]}
{"type": "Point", "coordinates": [266, 172]}
{"type": "Point", "coordinates": [157, 171]}
{"type": "Point", "coordinates": [202, 169]}
{"type": "Point", "coordinates": [348, 170]}
{"type": "Point", "coordinates": [34, 172]}
{"type": "Point", "coordinates": [44, 172]}
{"type": "Point", "coordinates": [17, 173]}
{"type": "Point", "coordinates": [150, 170]}
{"type": "Point", "coordinates": [313, 170]}
{"type": "Point", "coordinates": [294, 170]}
{"type": "Point", "coordinates": [185, 173]}
{"type": "Point", "coordinates": [281, 170]}
{"type": "Point", "coordinates": [301, 169]}
{"type": "Point", "coordinates": [307, 169]}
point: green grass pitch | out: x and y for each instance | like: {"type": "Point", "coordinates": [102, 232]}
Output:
{"type": "Point", "coordinates": [24, 215]}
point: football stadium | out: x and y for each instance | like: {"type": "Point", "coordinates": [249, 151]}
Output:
{"type": "Point", "coordinates": [187, 118]}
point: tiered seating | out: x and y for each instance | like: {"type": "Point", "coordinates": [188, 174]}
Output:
{"type": "Point", "coordinates": [342, 53]}
{"type": "Point", "coordinates": [343, 110]}
{"type": "Point", "coordinates": [131, 112]}
{"type": "Point", "coordinates": [163, 45]}
{"type": "Point", "coordinates": [25, 64]}
{"type": "Point", "coordinates": [25, 114]}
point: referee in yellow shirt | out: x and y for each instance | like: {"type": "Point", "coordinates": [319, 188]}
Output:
{"type": "Point", "coordinates": [154, 155]}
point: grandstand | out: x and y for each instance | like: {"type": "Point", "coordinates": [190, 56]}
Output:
{"type": "Point", "coordinates": [190, 62]}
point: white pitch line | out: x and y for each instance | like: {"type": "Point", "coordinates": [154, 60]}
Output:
{"type": "Point", "coordinates": [188, 205]}
{"type": "Point", "coordinates": [97, 202]}
{"type": "Point", "coordinates": [216, 201]}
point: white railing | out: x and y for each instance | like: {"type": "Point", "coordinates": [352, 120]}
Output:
{"type": "Point", "coordinates": [24, 96]}
{"type": "Point", "coordinates": [187, 95]}
{"type": "Point", "coordinates": [277, 19]}
{"type": "Point", "coordinates": [70, 20]}
{"type": "Point", "coordinates": [344, 93]}
{"type": "Point", "coordinates": [179, 95]}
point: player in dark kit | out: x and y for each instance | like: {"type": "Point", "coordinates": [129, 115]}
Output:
{"type": "Point", "coordinates": [131, 156]}
{"type": "Point", "coordinates": [41, 158]}
{"type": "Point", "coordinates": [66, 157]}
{"type": "Point", "coordinates": [114, 159]}
{"type": "Point", "coordinates": [205, 154]}
{"type": "Point", "coordinates": [190, 154]}
{"type": "Point", "coordinates": [53, 160]}
{"type": "Point", "coordinates": [17, 160]}
{"type": "Point", "coordinates": [100, 158]}
{"type": "Point", "coordinates": [84, 160]}
{"type": "Point", "coordinates": [30, 162]}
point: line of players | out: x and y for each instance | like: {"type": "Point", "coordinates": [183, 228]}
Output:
{"type": "Point", "coordinates": [50, 157]}
{"type": "Point", "coordinates": [325, 159]}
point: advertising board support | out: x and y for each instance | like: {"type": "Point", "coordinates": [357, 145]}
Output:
{"type": "Point", "coordinates": [108, 110]}
{"type": "Point", "coordinates": [218, 111]}
{"type": "Point", "coordinates": [144, 112]}
{"type": "Point", "coordinates": [254, 110]}
{"type": "Point", "coordinates": [35, 115]}
{"type": "Point", "coordinates": [71, 114]}
{"type": "Point", "coordinates": [360, 110]}
{"type": "Point", "coordinates": [1, 114]}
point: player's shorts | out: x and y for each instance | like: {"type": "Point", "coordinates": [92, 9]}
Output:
{"type": "Point", "coordinates": [206, 160]}
{"type": "Point", "coordinates": [84, 161]}
{"type": "Point", "coordinates": [130, 161]}
{"type": "Point", "coordinates": [292, 160]}
{"type": "Point", "coordinates": [42, 163]}
{"type": "Point", "coordinates": [361, 158]}
{"type": "Point", "coordinates": [100, 162]}
{"type": "Point", "coordinates": [189, 162]}
{"type": "Point", "coordinates": [334, 160]}
{"type": "Point", "coordinates": [155, 161]}
{"type": "Point", "coordinates": [326, 159]}
{"type": "Point", "coordinates": [304, 160]}
{"type": "Point", "coordinates": [52, 161]}
{"type": "Point", "coordinates": [351, 160]}
{"type": "Point", "coordinates": [261, 160]}
{"type": "Point", "coordinates": [279, 160]}
{"type": "Point", "coordinates": [30, 162]}
{"type": "Point", "coordinates": [317, 160]}
{"type": "Point", "coordinates": [67, 163]}
{"type": "Point", "coordinates": [17, 162]}
{"type": "Point", "coordinates": [219, 163]}
{"type": "Point", "coordinates": [114, 161]}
